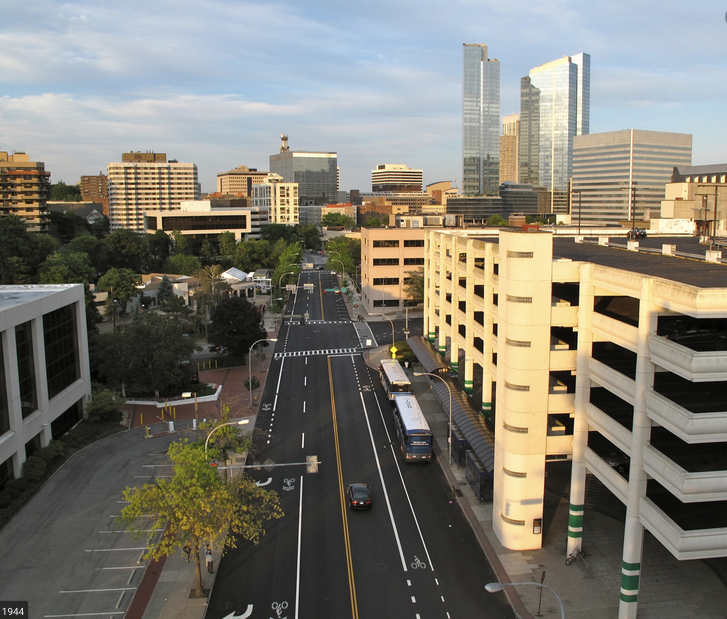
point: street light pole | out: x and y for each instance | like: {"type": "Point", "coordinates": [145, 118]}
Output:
{"type": "Point", "coordinates": [449, 433]}
{"type": "Point", "coordinates": [393, 336]}
{"type": "Point", "coordinates": [249, 363]}
{"type": "Point", "coordinates": [242, 422]}
{"type": "Point", "coordinates": [493, 587]}
{"type": "Point", "coordinates": [189, 394]}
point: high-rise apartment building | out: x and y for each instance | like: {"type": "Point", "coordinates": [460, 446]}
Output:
{"type": "Point", "coordinates": [396, 178]}
{"type": "Point", "coordinates": [239, 181]}
{"type": "Point", "coordinates": [96, 189]}
{"type": "Point", "coordinates": [315, 173]}
{"type": "Point", "coordinates": [480, 122]}
{"type": "Point", "coordinates": [148, 182]}
{"type": "Point", "coordinates": [279, 198]}
{"type": "Point", "coordinates": [24, 189]}
{"type": "Point", "coordinates": [621, 175]}
{"type": "Point", "coordinates": [509, 148]}
{"type": "Point", "coordinates": [554, 108]}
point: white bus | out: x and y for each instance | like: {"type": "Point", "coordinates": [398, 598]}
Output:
{"type": "Point", "coordinates": [412, 429]}
{"type": "Point", "coordinates": [393, 378]}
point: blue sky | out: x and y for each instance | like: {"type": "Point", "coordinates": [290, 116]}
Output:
{"type": "Point", "coordinates": [216, 82]}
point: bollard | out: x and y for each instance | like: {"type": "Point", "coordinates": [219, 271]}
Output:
{"type": "Point", "coordinates": [147, 431]}
{"type": "Point", "coordinates": [141, 419]}
{"type": "Point", "coordinates": [171, 426]}
{"type": "Point", "coordinates": [194, 424]}
{"type": "Point", "coordinates": [174, 410]}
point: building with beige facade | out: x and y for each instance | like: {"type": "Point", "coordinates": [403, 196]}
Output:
{"type": "Point", "coordinates": [509, 145]}
{"type": "Point", "coordinates": [24, 189]}
{"type": "Point", "coordinates": [582, 352]}
{"type": "Point", "coordinates": [146, 181]}
{"type": "Point", "coordinates": [95, 188]}
{"type": "Point", "coordinates": [396, 178]}
{"type": "Point", "coordinates": [239, 181]}
{"type": "Point", "coordinates": [278, 198]}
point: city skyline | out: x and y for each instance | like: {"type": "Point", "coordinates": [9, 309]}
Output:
{"type": "Point", "coordinates": [216, 85]}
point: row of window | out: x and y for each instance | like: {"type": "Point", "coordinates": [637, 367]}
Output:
{"type": "Point", "coordinates": [395, 243]}
{"type": "Point", "coordinates": [383, 262]}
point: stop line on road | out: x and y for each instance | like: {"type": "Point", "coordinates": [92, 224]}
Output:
{"type": "Point", "coordinates": [325, 351]}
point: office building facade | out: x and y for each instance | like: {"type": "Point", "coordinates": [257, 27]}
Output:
{"type": "Point", "coordinates": [24, 190]}
{"type": "Point", "coordinates": [96, 189]}
{"type": "Point", "coordinates": [480, 122]}
{"type": "Point", "coordinates": [554, 108]}
{"type": "Point", "coordinates": [620, 176]}
{"type": "Point", "coordinates": [509, 147]}
{"type": "Point", "coordinates": [315, 173]}
{"type": "Point", "coordinates": [396, 178]}
{"type": "Point", "coordinates": [45, 379]}
{"type": "Point", "coordinates": [239, 181]}
{"type": "Point", "coordinates": [279, 198]}
{"type": "Point", "coordinates": [146, 181]}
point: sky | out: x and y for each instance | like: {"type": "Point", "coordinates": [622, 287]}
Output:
{"type": "Point", "coordinates": [216, 82]}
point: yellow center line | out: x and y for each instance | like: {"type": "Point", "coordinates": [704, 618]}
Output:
{"type": "Point", "coordinates": [342, 494]}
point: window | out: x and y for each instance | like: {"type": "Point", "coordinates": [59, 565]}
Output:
{"type": "Point", "coordinates": [519, 254]}
{"type": "Point", "coordinates": [514, 473]}
{"type": "Point", "coordinates": [4, 413]}
{"type": "Point", "coordinates": [513, 387]}
{"type": "Point", "coordinates": [61, 354]}
{"type": "Point", "coordinates": [386, 281]}
{"type": "Point", "coordinates": [515, 429]}
{"type": "Point", "coordinates": [417, 261]}
{"type": "Point", "coordinates": [26, 368]}
{"type": "Point", "coordinates": [517, 343]}
{"type": "Point", "coordinates": [517, 523]}
{"type": "Point", "coordinates": [386, 262]}
{"type": "Point", "coordinates": [414, 243]}
{"type": "Point", "coordinates": [386, 243]}
{"type": "Point", "coordinates": [386, 303]}
{"type": "Point", "coordinates": [513, 299]}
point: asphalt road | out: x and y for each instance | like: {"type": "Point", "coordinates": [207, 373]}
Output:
{"type": "Point", "coordinates": [412, 555]}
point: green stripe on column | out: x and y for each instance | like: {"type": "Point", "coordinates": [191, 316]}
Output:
{"type": "Point", "coordinates": [454, 364]}
{"type": "Point", "coordinates": [469, 387]}
{"type": "Point", "coordinates": [487, 406]}
{"type": "Point", "coordinates": [575, 521]}
{"type": "Point", "coordinates": [573, 508]}
{"type": "Point", "coordinates": [575, 534]}
{"type": "Point", "coordinates": [629, 599]}
{"type": "Point", "coordinates": [630, 567]}
{"type": "Point", "coordinates": [432, 336]}
{"type": "Point", "coordinates": [630, 583]}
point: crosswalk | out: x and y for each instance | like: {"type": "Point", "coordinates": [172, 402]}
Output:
{"type": "Point", "coordinates": [319, 322]}
{"type": "Point", "coordinates": [324, 351]}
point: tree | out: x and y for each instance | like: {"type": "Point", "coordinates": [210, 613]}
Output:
{"type": "Point", "coordinates": [496, 220]}
{"type": "Point", "coordinates": [165, 291]}
{"type": "Point", "coordinates": [182, 264]}
{"type": "Point", "coordinates": [253, 255]}
{"type": "Point", "coordinates": [127, 250]}
{"type": "Point", "coordinates": [94, 247]}
{"type": "Point", "coordinates": [66, 226]}
{"type": "Point", "coordinates": [311, 235]}
{"type": "Point", "coordinates": [337, 219]}
{"type": "Point", "coordinates": [159, 246]}
{"type": "Point", "coordinates": [208, 252]}
{"type": "Point", "coordinates": [60, 192]}
{"type": "Point", "coordinates": [18, 251]}
{"type": "Point", "coordinates": [373, 222]}
{"type": "Point", "coordinates": [227, 244]}
{"type": "Point", "coordinates": [121, 283]}
{"type": "Point", "coordinates": [275, 232]}
{"type": "Point", "coordinates": [67, 268]}
{"type": "Point", "coordinates": [235, 326]}
{"type": "Point", "coordinates": [194, 505]}
{"type": "Point", "coordinates": [180, 244]}
{"type": "Point", "coordinates": [414, 286]}
{"type": "Point", "coordinates": [104, 406]}
{"type": "Point", "coordinates": [348, 251]}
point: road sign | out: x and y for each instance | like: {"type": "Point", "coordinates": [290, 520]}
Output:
{"type": "Point", "coordinates": [308, 287]}
{"type": "Point", "coordinates": [311, 464]}
{"type": "Point", "coordinates": [291, 287]}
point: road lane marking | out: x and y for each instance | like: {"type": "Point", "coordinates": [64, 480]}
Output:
{"type": "Point", "coordinates": [383, 484]}
{"type": "Point", "coordinates": [342, 495]}
{"type": "Point", "coordinates": [300, 539]}
{"type": "Point", "coordinates": [403, 485]}
{"type": "Point", "coordinates": [302, 442]}
{"type": "Point", "coordinates": [99, 590]}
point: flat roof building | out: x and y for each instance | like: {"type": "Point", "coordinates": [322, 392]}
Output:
{"type": "Point", "coordinates": [279, 198]}
{"type": "Point", "coordinates": [396, 178]}
{"type": "Point", "coordinates": [315, 173]}
{"type": "Point", "coordinates": [239, 181]}
{"type": "Point", "coordinates": [575, 352]}
{"type": "Point", "coordinates": [24, 189]}
{"type": "Point", "coordinates": [46, 378]}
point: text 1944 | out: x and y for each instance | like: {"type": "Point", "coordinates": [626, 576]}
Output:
{"type": "Point", "coordinates": [13, 609]}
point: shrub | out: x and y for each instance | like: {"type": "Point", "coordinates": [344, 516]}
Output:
{"type": "Point", "coordinates": [15, 490]}
{"type": "Point", "coordinates": [5, 499]}
{"type": "Point", "coordinates": [20, 483]}
{"type": "Point", "coordinates": [55, 449]}
{"type": "Point", "coordinates": [104, 407]}
{"type": "Point", "coordinates": [34, 468]}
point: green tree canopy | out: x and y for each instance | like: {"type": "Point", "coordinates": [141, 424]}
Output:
{"type": "Point", "coordinates": [122, 282]}
{"type": "Point", "coordinates": [182, 264]}
{"type": "Point", "coordinates": [94, 248]}
{"type": "Point", "coordinates": [195, 506]}
{"type": "Point", "coordinates": [235, 326]}
{"type": "Point", "coordinates": [67, 226]}
{"type": "Point", "coordinates": [67, 268]}
{"type": "Point", "coordinates": [18, 251]}
{"type": "Point", "coordinates": [275, 232]}
{"type": "Point", "coordinates": [159, 246]}
{"type": "Point", "coordinates": [180, 243]}
{"type": "Point", "coordinates": [311, 235]}
{"type": "Point", "coordinates": [337, 219]}
{"type": "Point", "coordinates": [165, 291]}
{"type": "Point", "coordinates": [60, 192]}
{"type": "Point", "coordinates": [496, 220]}
{"type": "Point", "coordinates": [227, 244]}
{"type": "Point", "coordinates": [127, 250]}
{"type": "Point", "coordinates": [414, 286]}
{"type": "Point", "coordinates": [253, 255]}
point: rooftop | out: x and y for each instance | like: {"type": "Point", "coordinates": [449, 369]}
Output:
{"type": "Point", "coordinates": [11, 296]}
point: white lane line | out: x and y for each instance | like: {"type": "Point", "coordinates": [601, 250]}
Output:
{"type": "Point", "coordinates": [413, 600]}
{"type": "Point", "coordinates": [383, 484]}
{"type": "Point", "coordinates": [106, 614]}
{"type": "Point", "coordinates": [300, 537]}
{"type": "Point", "coordinates": [99, 590]}
{"type": "Point", "coordinates": [406, 490]}
{"type": "Point", "coordinates": [304, 406]}
{"type": "Point", "coordinates": [144, 530]}
{"type": "Point", "coordinates": [305, 381]}
{"type": "Point", "coordinates": [132, 567]}
{"type": "Point", "coordinates": [302, 442]}
{"type": "Point", "coordinates": [277, 387]}
{"type": "Point", "coordinates": [115, 549]}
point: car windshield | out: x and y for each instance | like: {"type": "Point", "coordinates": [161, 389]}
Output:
{"type": "Point", "coordinates": [359, 492]}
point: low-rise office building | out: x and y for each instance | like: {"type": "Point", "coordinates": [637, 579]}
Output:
{"type": "Point", "coordinates": [582, 352]}
{"type": "Point", "coordinates": [45, 379]}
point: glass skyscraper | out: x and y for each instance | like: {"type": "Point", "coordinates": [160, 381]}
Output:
{"type": "Point", "coordinates": [554, 108]}
{"type": "Point", "coordinates": [315, 173]}
{"type": "Point", "coordinates": [480, 122]}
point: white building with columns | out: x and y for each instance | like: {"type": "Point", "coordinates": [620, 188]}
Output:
{"type": "Point", "coordinates": [45, 379]}
{"type": "Point", "coordinates": [567, 349]}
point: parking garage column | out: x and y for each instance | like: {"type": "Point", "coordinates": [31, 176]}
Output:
{"type": "Point", "coordinates": [640, 436]}
{"type": "Point", "coordinates": [580, 421]}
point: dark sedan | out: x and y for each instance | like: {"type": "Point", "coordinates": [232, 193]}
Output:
{"type": "Point", "coordinates": [359, 496]}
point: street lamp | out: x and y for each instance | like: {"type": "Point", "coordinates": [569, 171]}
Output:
{"type": "Point", "coordinates": [189, 394]}
{"type": "Point", "coordinates": [493, 587]}
{"type": "Point", "coordinates": [242, 422]}
{"type": "Point", "coordinates": [393, 354]}
{"type": "Point", "coordinates": [449, 434]}
{"type": "Point", "coordinates": [249, 363]}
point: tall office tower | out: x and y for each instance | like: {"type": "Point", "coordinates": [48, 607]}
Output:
{"type": "Point", "coordinates": [24, 190]}
{"type": "Point", "coordinates": [396, 178]}
{"type": "Point", "coordinates": [148, 182]}
{"type": "Point", "coordinates": [239, 180]}
{"type": "Point", "coordinates": [315, 173]}
{"type": "Point", "coordinates": [480, 122]}
{"type": "Point", "coordinates": [509, 148]}
{"type": "Point", "coordinates": [96, 189]}
{"type": "Point", "coordinates": [621, 175]}
{"type": "Point", "coordinates": [555, 104]}
{"type": "Point", "coordinates": [281, 199]}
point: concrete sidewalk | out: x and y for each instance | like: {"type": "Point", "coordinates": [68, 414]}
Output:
{"type": "Point", "coordinates": [670, 589]}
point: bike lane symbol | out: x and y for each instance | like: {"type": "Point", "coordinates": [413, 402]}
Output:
{"type": "Point", "coordinates": [279, 607]}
